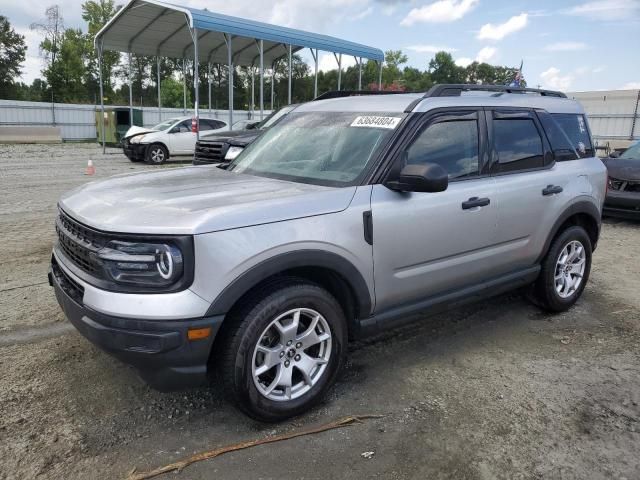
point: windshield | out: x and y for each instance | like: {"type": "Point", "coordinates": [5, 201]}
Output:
{"type": "Point", "coordinates": [323, 148]}
{"type": "Point", "coordinates": [632, 152]}
{"type": "Point", "coordinates": [166, 124]}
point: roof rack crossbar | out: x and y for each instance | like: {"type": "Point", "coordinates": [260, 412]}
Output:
{"type": "Point", "coordinates": [455, 90]}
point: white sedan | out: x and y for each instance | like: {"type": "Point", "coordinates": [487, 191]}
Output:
{"type": "Point", "coordinates": [173, 137]}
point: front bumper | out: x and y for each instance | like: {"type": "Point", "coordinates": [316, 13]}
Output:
{"type": "Point", "coordinates": [622, 204]}
{"type": "Point", "coordinates": [158, 349]}
{"type": "Point", "coordinates": [134, 151]}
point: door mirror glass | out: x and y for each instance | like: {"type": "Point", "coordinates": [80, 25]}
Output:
{"type": "Point", "coordinates": [425, 177]}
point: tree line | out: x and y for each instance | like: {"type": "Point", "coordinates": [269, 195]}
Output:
{"type": "Point", "coordinates": [70, 70]}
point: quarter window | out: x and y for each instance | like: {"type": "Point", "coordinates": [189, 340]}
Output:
{"type": "Point", "coordinates": [518, 144]}
{"type": "Point", "coordinates": [453, 145]}
{"type": "Point", "coordinates": [575, 126]}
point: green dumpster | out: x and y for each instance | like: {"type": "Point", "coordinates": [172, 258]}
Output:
{"type": "Point", "coordinates": [116, 123]}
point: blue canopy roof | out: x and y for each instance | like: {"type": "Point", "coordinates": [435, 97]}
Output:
{"type": "Point", "coordinates": [151, 27]}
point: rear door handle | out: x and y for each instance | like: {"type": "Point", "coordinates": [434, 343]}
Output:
{"type": "Point", "coordinates": [551, 190]}
{"type": "Point", "coordinates": [474, 202]}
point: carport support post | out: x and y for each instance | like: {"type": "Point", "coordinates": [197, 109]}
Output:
{"type": "Point", "coordinates": [339, 60]}
{"type": "Point", "coordinates": [130, 93]}
{"type": "Point", "coordinates": [159, 97]}
{"type": "Point", "coordinates": [290, 58]}
{"type": "Point", "coordinates": [359, 73]}
{"type": "Point", "coordinates": [209, 82]}
{"type": "Point", "coordinates": [196, 81]}
{"type": "Point", "coordinates": [380, 77]}
{"type": "Point", "coordinates": [253, 90]}
{"type": "Point", "coordinates": [184, 86]}
{"type": "Point", "coordinates": [228, 39]}
{"type": "Point", "coordinates": [101, 96]}
{"type": "Point", "coordinates": [314, 54]}
{"type": "Point", "coordinates": [261, 80]}
{"type": "Point", "coordinates": [273, 82]}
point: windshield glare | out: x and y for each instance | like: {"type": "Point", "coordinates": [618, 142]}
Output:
{"type": "Point", "coordinates": [324, 148]}
{"type": "Point", "coordinates": [632, 152]}
{"type": "Point", "coordinates": [166, 124]}
{"type": "Point", "coordinates": [273, 118]}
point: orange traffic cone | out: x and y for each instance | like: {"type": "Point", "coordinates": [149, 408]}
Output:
{"type": "Point", "coordinates": [91, 169]}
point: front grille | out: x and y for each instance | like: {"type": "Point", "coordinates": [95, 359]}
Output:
{"type": "Point", "coordinates": [68, 285]}
{"type": "Point", "coordinates": [623, 185]}
{"type": "Point", "coordinates": [211, 152]}
{"type": "Point", "coordinates": [80, 244]}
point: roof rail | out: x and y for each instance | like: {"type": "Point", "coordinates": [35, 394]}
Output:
{"type": "Point", "coordinates": [455, 90]}
{"type": "Point", "coordinates": [354, 93]}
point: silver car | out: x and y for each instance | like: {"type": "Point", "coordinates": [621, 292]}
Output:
{"type": "Point", "coordinates": [341, 221]}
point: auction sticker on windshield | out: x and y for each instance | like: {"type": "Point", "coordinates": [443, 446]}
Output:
{"type": "Point", "coordinates": [372, 121]}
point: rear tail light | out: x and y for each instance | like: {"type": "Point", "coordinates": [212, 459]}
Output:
{"type": "Point", "coordinates": [194, 125]}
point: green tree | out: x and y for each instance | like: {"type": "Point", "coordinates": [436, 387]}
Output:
{"type": "Point", "coordinates": [97, 13]}
{"type": "Point", "coordinates": [391, 72]}
{"type": "Point", "coordinates": [68, 73]}
{"type": "Point", "coordinates": [172, 94]}
{"type": "Point", "coordinates": [52, 28]}
{"type": "Point", "coordinates": [12, 54]}
{"type": "Point", "coordinates": [443, 69]}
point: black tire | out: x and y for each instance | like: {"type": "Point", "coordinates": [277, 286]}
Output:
{"type": "Point", "coordinates": [544, 290]}
{"type": "Point", "coordinates": [240, 340]}
{"type": "Point", "coordinates": [156, 154]}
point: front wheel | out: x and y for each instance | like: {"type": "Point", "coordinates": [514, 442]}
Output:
{"type": "Point", "coordinates": [565, 270]}
{"type": "Point", "coordinates": [157, 154]}
{"type": "Point", "coordinates": [285, 351]}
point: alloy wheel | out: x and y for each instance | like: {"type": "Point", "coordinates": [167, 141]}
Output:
{"type": "Point", "coordinates": [570, 268]}
{"type": "Point", "coordinates": [291, 355]}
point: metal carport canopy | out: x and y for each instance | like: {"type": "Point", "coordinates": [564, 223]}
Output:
{"type": "Point", "coordinates": [152, 27]}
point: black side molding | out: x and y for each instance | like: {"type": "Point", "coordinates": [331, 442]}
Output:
{"type": "Point", "coordinates": [367, 222]}
{"type": "Point", "coordinates": [403, 314]}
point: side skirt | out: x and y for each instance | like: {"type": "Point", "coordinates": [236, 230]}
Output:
{"type": "Point", "coordinates": [397, 316]}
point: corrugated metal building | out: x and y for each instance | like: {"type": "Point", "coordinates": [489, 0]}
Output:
{"type": "Point", "coordinates": [78, 122]}
{"type": "Point", "coordinates": [614, 116]}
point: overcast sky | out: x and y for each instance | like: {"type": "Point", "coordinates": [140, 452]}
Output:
{"type": "Point", "coordinates": [568, 44]}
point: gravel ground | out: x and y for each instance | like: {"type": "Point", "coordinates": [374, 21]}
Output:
{"type": "Point", "coordinates": [497, 390]}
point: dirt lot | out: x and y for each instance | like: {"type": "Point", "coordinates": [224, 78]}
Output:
{"type": "Point", "coordinates": [494, 390]}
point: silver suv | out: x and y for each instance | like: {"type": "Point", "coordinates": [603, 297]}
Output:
{"type": "Point", "coordinates": [340, 221]}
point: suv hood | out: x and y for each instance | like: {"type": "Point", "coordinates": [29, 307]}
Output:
{"type": "Point", "coordinates": [137, 131]}
{"type": "Point", "coordinates": [195, 200]}
{"type": "Point", "coordinates": [623, 168]}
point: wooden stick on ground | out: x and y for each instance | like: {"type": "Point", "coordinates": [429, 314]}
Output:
{"type": "Point", "coordinates": [198, 457]}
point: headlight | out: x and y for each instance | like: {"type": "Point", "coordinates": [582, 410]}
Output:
{"type": "Point", "coordinates": [137, 139]}
{"type": "Point", "coordinates": [142, 264]}
{"type": "Point", "coordinates": [233, 152]}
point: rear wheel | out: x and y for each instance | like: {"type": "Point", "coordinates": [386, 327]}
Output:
{"type": "Point", "coordinates": [565, 270]}
{"type": "Point", "coordinates": [157, 154]}
{"type": "Point", "coordinates": [284, 351]}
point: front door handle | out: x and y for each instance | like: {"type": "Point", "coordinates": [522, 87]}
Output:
{"type": "Point", "coordinates": [551, 190]}
{"type": "Point", "coordinates": [474, 202]}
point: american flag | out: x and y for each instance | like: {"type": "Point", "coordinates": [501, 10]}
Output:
{"type": "Point", "coordinates": [518, 78]}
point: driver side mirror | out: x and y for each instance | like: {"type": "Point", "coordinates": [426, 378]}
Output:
{"type": "Point", "coordinates": [426, 177]}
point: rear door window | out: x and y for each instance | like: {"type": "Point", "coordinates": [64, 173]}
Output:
{"type": "Point", "coordinates": [575, 127]}
{"type": "Point", "coordinates": [518, 144]}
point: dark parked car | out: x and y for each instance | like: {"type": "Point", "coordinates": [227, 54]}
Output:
{"type": "Point", "coordinates": [224, 147]}
{"type": "Point", "coordinates": [623, 195]}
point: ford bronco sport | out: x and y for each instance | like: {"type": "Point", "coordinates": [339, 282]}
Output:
{"type": "Point", "coordinates": [340, 221]}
